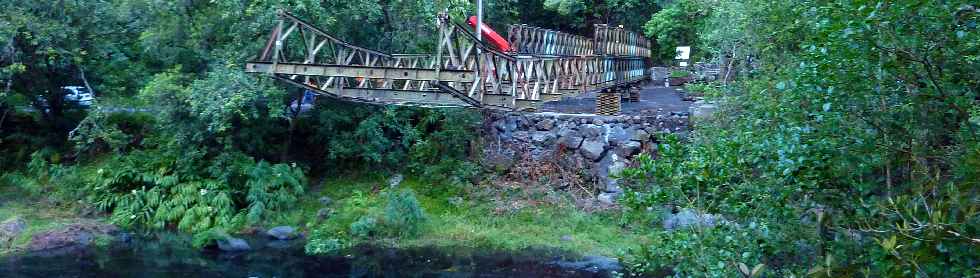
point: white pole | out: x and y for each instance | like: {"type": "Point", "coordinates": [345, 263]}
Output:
{"type": "Point", "coordinates": [479, 20]}
{"type": "Point", "coordinates": [479, 37]}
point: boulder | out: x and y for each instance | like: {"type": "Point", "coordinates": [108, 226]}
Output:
{"type": "Point", "coordinates": [568, 130]}
{"type": "Point", "coordinates": [522, 122]}
{"type": "Point", "coordinates": [593, 264]}
{"type": "Point", "coordinates": [616, 168]}
{"type": "Point", "coordinates": [618, 135]}
{"type": "Point", "coordinates": [282, 233]}
{"type": "Point", "coordinates": [689, 218]}
{"type": "Point", "coordinates": [506, 125]}
{"type": "Point", "coordinates": [497, 161]}
{"type": "Point", "coordinates": [325, 201]}
{"type": "Point", "coordinates": [233, 244]}
{"type": "Point", "coordinates": [545, 124]}
{"type": "Point", "coordinates": [571, 142]}
{"type": "Point", "coordinates": [521, 136]}
{"type": "Point", "coordinates": [638, 135]}
{"type": "Point", "coordinates": [628, 149]}
{"type": "Point", "coordinates": [70, 236]}
{"type": "Point", "coordinates": [702, 110]}
{"type": "Point", "coordinates": [606, 170]}
{"type": "Point", "coordinates": [592, 149]}
{"type": "Point", "coordinates": [542, 138]}
{"type": "Point", "coordinates": [590, 130]}
{"type": "Point", "coordinates": [395, 180]}
{"type": "Point", "coordinates": [608, 198]}
{"type": "Point", "coordinates": [323, 214]}
{"type": "Point", "coordinates": [10, 229]}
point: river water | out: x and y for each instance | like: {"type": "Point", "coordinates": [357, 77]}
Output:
{"type": "Point", "coordinates": [172, 256]}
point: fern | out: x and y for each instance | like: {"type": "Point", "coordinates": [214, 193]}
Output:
{"type": "Point", "coordinates": [272, 188]}
{"type": "Point", "coordinates": [149, 190]}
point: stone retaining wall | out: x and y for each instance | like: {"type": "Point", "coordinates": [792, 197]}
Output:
{"type": "Point", "coordinates": [593, 146]}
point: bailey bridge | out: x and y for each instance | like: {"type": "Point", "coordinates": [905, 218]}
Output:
{"type": "Point", "coordinates": [532, 66]}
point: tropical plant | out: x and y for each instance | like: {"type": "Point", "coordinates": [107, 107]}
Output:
{"type": "Point", "coordinates": [152, 190]}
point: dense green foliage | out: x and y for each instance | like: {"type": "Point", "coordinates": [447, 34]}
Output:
{"type": "Point", "coordinates": [675, 25]}
{"type": "Point", "coordinates": [848, 148]}
{"type": "Point", "coordinates": [848, 145]}
{"type": "Point", "coordinates": [180, 137]}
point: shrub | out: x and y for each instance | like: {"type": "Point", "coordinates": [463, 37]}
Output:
{"type": "Point", "coordinates": [403, 216]}
{"type": "Point", "coordinates": [324, 246]}
{"type": "Point", "coordinates": [44, 177]}
{"type": "Point", "coordinates": [703, 89]}
{"type": "Point", "coordinates": [366, 226]}
{"type": "Point", "coordinates": [679, 74]}
{"type": "Point", "coordinates": [708, 252]}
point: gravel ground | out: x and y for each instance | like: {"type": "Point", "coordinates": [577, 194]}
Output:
{"type": "Point", "coordinates": [652, 98]}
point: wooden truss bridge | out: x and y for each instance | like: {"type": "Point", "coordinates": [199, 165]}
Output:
{"type": "Point", "coordinates": [540, 65]}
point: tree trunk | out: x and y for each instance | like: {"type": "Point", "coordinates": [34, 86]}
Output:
{"type": "Point", "coordinates": [81, 73]}
{"type": "Point", "coordinates": [289, 139]}
{"type": "Point", "coordinates": [294, 114]}
{"type": "Point", "coordinates": [3, 115]}
{"type": "Point", "coordinates": [4, 109]}
{"type": "Point", "coordinates": [728, 68]}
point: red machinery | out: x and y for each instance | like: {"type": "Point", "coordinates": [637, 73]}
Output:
{"type": "Point", "coordinates": [491, 36]}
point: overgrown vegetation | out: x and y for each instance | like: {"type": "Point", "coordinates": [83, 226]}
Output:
{"type": "Point", "coordinates": [459, 216]}
{"type": "Point", "coordinates": [847, 148]}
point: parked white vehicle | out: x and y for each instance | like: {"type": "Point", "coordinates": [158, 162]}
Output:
{"type": "Point", "coordinates": [79, 95]}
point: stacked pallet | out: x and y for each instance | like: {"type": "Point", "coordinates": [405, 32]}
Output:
{"type": "Point", "coordinates": [634, 94]}
{"type": "Point", "coordinates": [608, 103]}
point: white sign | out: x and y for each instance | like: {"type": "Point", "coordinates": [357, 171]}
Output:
{"type": "Point", "coordinates": [683, 53]}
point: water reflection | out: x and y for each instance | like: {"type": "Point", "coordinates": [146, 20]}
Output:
{"type": "Point", "coordinates": [172, 256]}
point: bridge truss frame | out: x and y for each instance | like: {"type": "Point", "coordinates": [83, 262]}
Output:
{"type": "Point", "coordinates": [547, 66]}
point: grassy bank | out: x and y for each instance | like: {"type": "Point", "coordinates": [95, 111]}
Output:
{"type": "Point", "coordinates": [483, 217]}
{"type": "Point", "coordinates": [456, 217]}
{"type": "Point", "coordinates": [39, 214]}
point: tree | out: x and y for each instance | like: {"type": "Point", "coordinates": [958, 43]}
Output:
{"type": "Point", "coordinates": [676, 25]}
{"type": "Point", "coordinates": [50, 44]}
{"type": "Point", "coordinates": [581, 14]}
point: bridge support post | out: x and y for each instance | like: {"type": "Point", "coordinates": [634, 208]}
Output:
{"type": "Point", "coordinates": [608, 103]}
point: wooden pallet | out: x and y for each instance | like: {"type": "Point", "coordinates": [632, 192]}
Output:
{"type": "Point", "coordinates": [634, 95]}
{"type": "Point", "coordinates": [608, 103]}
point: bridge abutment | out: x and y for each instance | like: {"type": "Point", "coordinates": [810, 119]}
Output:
{"type": "Point", "coordinates": [573, 150]}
